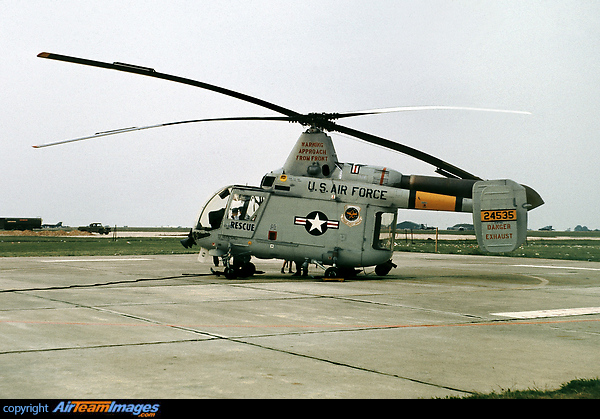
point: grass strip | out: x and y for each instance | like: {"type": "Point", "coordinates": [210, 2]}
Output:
{"type": "Point", "coordinates": [575, 389]}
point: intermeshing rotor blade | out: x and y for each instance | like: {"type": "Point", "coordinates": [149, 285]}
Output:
{"type": "Point", "coordinates": [422, 108]}
{"type": "Point", "coordinates": [443, 167]}
{"type": "Point", "coordinates": [130, 129]}
{"type": "Point", "coordinates": [319, 120]}
{"type": "Point", "coordinates": [427, 158]}
{"type": "Point", "coordinates": [145, 71]}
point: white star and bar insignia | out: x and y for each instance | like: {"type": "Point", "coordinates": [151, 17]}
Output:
{"type": "Point", "coordinates": [316, 223]}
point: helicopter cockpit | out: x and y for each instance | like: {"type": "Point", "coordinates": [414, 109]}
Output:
{"type": "Point", "coordinates": [232, 204]}
{"type": "Point", "coordinates": [213, 212]}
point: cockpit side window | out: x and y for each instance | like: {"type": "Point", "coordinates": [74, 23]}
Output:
{"type": "Point", "coordinates": [244, 207]}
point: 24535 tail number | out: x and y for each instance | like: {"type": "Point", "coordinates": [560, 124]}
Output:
{"type": "Point", "coordinates": [499, 215]}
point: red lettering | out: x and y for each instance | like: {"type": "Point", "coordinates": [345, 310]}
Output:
{"type": "Point", "coordinates": [498, 227]}
{"type": "Point", "coordinates": [503, 236]}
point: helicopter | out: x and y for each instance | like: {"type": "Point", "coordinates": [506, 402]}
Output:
{"type": "Point", "coordinates": [339, 216]}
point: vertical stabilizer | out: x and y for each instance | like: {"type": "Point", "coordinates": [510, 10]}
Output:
{"type": "Point", "coordinates": [499, 215]}
{"type": "Point", "coordinates": [313, 155]}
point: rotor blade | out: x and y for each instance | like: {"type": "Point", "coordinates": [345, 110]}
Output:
{"type": "Point", "coordinates": [150, 72]}
{"type": "Point", "coordinates": [130, 129]}
{"type": "Point", "coordinates": [442, 167]}
{"type": "Point", "coordinates": [427, 158]}
{"type": "Point", "coordinates": [422, 108]}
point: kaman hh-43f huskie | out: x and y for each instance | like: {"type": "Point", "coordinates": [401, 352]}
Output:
{"type": "Point", "coordinates": [340, 216]}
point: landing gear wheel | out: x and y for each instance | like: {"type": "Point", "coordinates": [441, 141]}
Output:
{"type": "Point", "coordinates": [384, 268]}
{"type": "Point", "coordinates": [332, 272]}
{"type": "Point", "coordinates": [230, 273]}
{"type": "Point", "coordinates": [247, 269]}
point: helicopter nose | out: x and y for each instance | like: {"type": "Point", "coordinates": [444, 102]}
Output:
{"type": "Point", "coordinates": [189, 241]}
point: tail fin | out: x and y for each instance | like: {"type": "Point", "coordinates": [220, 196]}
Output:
{"type": "Point", "coordinates": [500, 215]}
{"type": "Point", "coordinates": [313, 155]}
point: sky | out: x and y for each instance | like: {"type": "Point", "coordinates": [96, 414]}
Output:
{"type": "Point", "coordinates": [309, 56]}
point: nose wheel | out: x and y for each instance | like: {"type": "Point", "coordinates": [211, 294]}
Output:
{"type": "Point", "coordinates": [239, 268]}
{"type": "Point", "coordinates": [247, 270]}
{"type": "Point", "coordinates": [230, 273]}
